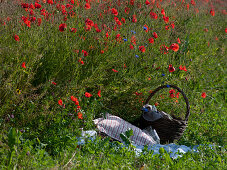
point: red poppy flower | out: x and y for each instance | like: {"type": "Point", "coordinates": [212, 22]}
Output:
{"type": "Point", "coordinates": [73, 30]}
{"type": "Point", "coordinates": [114, 11]}
{"type": "Point", "coordinates": [62, 27]}
{"type": "Point", "coordinates": [205, 29]}
{"type": "Point", "coordinates": [171, 68]}
{"type": "Point", "coordinates": [174, 47]}
{"type": "Point", "coordinates": [127, 10]}
{"type": "Point", "coordinates": [155, 35]}
{"type": "Point", "coordinates": [172, 91]}
{"type": "Point", "coordinates": [178, 40]}
{"type": "Point", "coordinates": [60, 102]}
{"type": "Point", "coordinates": [16, 37]}
{"type": "Point", "coordinates": [153, 15]}
{"type": "Point", "coordinates": [151, 40]}
{"type": "Point", "coordinates": [134, 19]}
{"type": "Point", "coordinates": [147, 2]}
{"type": "Point", "coordinates": [114, 70]}
{"type": "Point", "coordinates": [85, 53]}
{"type": "Point", "coordinates": [23, 65]}
{"type": "Point", "coordinates": [203, 95]}
{"type": "Point", "coordinates": [166, 19]}
{"type": "Point", "coordinates": [53, 83]}
{"type": "Point", "coordinates": [37, 5]}
{"type": "Point", "coordinates": [123, 20]}
{"type": "Point", "coordinates": [212, 12]}
{"type": "Point", "coordinates": [87, 6]}
{"type": "Point", "coordinates": [75, 100]}
{"type": "Point", "coordinates": [183, 68]}
{"type": "Point", "coordinates": [192, 2]}
{"type": "Point", "coordinates": [131, 46]}
{"type": "Point", "coordinates": [87, 94]}
{"type": "Point", "coordinates": [225, 30]}
{"type": "Point", "coordinates": [80, 115]}
{"type": "Point", "coordinates": [31, 6]}
{"type": "Point", "coordinates": [99, 93]}
{"type": "Point", "coordinates": [142, 49]}
{"type": "Point", "coordinates": [164, 49]}
{"type": "Point", "coordinates": [163, 12]}
{"type": "Point", "coordinates": [132, 2]}
{"type": "Point", "coordinates": [24, 5]}
{"type": "Point", "coordinates": [50, 2]}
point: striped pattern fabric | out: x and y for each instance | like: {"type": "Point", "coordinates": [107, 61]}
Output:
{"type": "Point", "coordinates": [113, 126]}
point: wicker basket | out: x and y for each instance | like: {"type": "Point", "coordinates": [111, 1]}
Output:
{"type": "Point", "coordinates": [167, 129]}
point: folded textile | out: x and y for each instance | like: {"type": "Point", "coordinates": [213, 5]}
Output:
{"type": "Point", "coordinates": [113, 126]}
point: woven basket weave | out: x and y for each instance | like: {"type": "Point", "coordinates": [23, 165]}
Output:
{"type": "Point", "coordinates": [167, 129]}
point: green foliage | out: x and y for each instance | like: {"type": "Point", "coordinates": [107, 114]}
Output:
{"type": "Point", "coordinates": [38, 133]}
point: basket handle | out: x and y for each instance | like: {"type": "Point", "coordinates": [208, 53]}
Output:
{"type": "Point", "coordinates": [175, 87]}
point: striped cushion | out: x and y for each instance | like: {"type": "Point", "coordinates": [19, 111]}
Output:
{"type": "Point", "coordinates": [113, 126]}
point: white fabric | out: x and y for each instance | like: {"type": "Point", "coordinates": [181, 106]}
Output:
{"type": "Point", "coordinates": [113, 126]}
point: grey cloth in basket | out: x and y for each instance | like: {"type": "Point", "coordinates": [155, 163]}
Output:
{"type": "Point", "coordinates": [150, 113]}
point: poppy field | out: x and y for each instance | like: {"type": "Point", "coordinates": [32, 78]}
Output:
{"type": "Point", "coordinates": [66, 62]}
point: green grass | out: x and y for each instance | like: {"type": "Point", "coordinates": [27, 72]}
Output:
{"type": "Point", "coordinates": [48, 137]}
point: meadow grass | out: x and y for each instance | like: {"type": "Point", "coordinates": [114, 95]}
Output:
{"type": "Point", "coordinates": [39, 120]}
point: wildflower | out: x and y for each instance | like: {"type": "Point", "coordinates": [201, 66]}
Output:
{"type": "Point", "coordinates": [16, 37]}
{"type": "Point", "coordinates": [73, 30]}
{"type": "Point", "coordinates": [127, 10]}
{"type": "Point", "coordinates": [145, 27]}
{"type": "Point", "coordinates": [99, 93]}
{"type": "Point", "coordinates": [137, 56]}
{"type": "Point", "coordinates": [123, 20]}
{"type": "Point", "coordinates": [171, 68]}
{"type": "Point", "coordinates": [151, 40]}
{"type": "Point", "coordinates": [174, 47]}
{"type": "Point", "coordinates": [164, 49]}
{"type": "Point", "coordinates": [155, 35]}
{"type": "Point", "coordinates": [192, 2]}
{"type": "Point", "coordinates": [134, 32]}
{"type": "Point", "coordinates": [205, 29]}
{"type": "Point", "coordinates": [183, 68]}
{"type": "Point", "coordinates": [88, 95]}
{"type": "Point", "coordinates": [147, 2]}
{"type": "Point", "coordinates": [53, 83]}
{"type": "Point", "coordinates": [60, 102]}
{"type": "Point", "coordinates": [87, 6]}
{"type": "Point", "coordinates": [114, 11]}
{"type": "Point", "coordinates": [134, 19]}
{"type": "Point", "coordinates": [178, 40]}
{"type": "Point", "coordinates": [62, 27]}
{"type": "Point", "coordinates": [142, 49]}
{"type": "Point", "coordinates": [39, 21]}
{"type": "Point", "coordinates": [225, 30]}
{"type": "Point", "coordinates": [171, 92]}
{"type": "Point", "coordinates": [85, 53]}
{"type": "Point", "coordinates": [163, 12]}
{"type": "Point", "coordinates": [75, 100]}
{"type": "Point", "coordinates": [212, 12]}
{"type": "Point", "coordinates": [114, 70]}
{"type": "Point", "coordinates": [80, 115]}
{"type": "Point", "coordinates": [153, 15]}
{"type": "Point", "coordinates": [177, 95]}
{"type": "Point", "coordinates": [37, 5]}
{"type": "Point", "coordinates": [203, 95]}
{"type": "Point", "coordinates": [23, 65]}
{"type": "Point", "coordinates": [131, 46]}
{"type": "Point", "coordinates": [166, 19]}
{"type": "Point", "coordinates": [50, 2]}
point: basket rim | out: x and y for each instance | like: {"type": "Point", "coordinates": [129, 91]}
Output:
{"type": "Point", "coordinates": [175, 87]}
